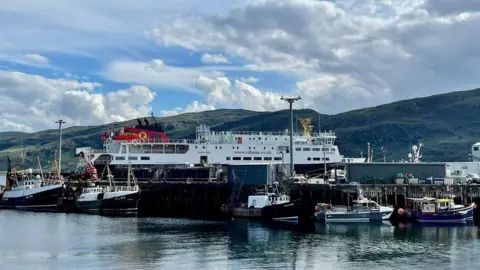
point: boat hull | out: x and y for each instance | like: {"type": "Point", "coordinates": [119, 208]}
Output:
{"type": "Point", "coordinates": [244, 212]}
{"type": "Point", "coordinates": [353, 217]}
{"type": "Point", "coordinates": [117, 203]}
{"type": "Point", "coordinates": [457, 217]}
{"type": "Point", "coordinates": [43, 198]}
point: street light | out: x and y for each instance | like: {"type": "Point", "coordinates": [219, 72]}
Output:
{"type": "Point", "coordinates": [291, 100]}
{"type": "Point", "coordinates": [60, 122]}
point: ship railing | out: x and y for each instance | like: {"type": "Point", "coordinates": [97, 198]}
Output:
{"type": "Point", "coordinates": [157, 141]}
{"type": "Point", "coordinates": [126, 188]}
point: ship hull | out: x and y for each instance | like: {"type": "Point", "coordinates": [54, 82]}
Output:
{"type": "Point", "coordinates": [43, 198]}
{"type": "Point", "coordinates": [117, 203]}
{"type": "Point", "coordinates": [144, 172]}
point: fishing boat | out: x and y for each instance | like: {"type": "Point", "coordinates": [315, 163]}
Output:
{"type": "Point", "coordinates": [32, 191]}
{"type": "Point", "coordinates": [256, 203]}
{"type": "Point", "coordinates": [111, 198]}
{"type": "Point", "coordinates": [363, 210]}
{"type": "Point", "coordinates": [445, 205]}
{"type": "Point", "coordinates": [429, 214]}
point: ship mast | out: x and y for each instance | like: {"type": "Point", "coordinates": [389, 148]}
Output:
{"type": "Point", "coordinates": [291, 100]}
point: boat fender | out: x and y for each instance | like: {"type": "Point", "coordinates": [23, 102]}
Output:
{"type": "Point", "coordinates": [142, 135]}
{"type": "Point", "coordinates": [274, 202]}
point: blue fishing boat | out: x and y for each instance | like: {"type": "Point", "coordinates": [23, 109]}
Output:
{"type": "Point", "coordinates": [429, 214]}
{"type": "Point", "coordinates": [442, 206]}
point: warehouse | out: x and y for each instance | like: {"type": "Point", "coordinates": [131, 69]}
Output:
{"type": "Point", "coordinates": [385, 173]}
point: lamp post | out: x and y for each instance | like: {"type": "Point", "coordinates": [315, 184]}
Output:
{"type": "Point", "coordinates": [291, 100]}
{"type": "Point", "coordinates": [60, 122]}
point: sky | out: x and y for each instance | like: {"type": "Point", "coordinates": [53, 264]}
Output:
{"type": "Point", "coordinates": [92, 62]}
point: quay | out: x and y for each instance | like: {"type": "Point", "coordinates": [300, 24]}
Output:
{"type": "Point", "coordinates": [205, 191]}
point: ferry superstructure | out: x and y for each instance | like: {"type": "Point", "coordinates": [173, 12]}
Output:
{"type": "Point", "coordinates": [149, 145]}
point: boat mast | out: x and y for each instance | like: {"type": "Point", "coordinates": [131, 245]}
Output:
{"type": "Point", "coordinates": [40, 167]}
{"type": "Point", "coordinates": [60, 122]}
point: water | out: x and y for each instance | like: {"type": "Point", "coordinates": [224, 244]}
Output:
{"type": "Point", "coordinates": [71, 241]}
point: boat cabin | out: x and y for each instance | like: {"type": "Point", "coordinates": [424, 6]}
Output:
{"type": "Point", "coordinates": [260, 201]}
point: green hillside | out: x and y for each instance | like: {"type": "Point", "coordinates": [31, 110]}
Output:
{"type": "Point", "coordinates": [448, 124]}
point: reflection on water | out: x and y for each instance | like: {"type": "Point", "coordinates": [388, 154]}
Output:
{"type": "Point", "coordinates": [49, 240]}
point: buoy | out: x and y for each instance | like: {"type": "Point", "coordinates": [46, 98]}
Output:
{"type": "Point", "coordinates": [400, 211]}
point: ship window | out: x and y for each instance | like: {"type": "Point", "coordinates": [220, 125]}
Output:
{"type": "Point", "coordinates": [249, 147]}
{"type": "Point", "coordinates": [257, 158]}
{"type": "Point", "coordinates": [119, 158]}
{"type": "Point", "coordinates": [272, 148]}
{"type": "Point", "coordinates": [267, 158]}
{"type": "Point", "coordinates": [276, 139]}
{"type": "Point", "coordinates": [196, 147]}
{"type": "Point", "coordinates": [233, 147]}
{"type": "Point", "coordinates": [228, 158]}
{"type": "Point", "coordinates": [316, 158]}
{"type": "Point", "coordinates": [220, 147]}
{"type": "Point", "coordinates": [204, 147]}
{"type": "Point", "coordinates": [309, 158]}
{"type": "Point", "coordinates": [145, 158]}
{"type": "Point", "coordinates": [264, 148]}
{"type": "Point", "coordinates": [132, 158]}
{"type": "Point", "coordinates": [327, 159]}
{"type": "Point", "coordinates": [235, 138]}
{"type": "Point", "coordinates": [324, 149]}
{"type": "Point", "coordinates": [247, 158]}
{"type": "Point", "coordinates": [298, 149]}
{"type": "Point", "coordinates": [216, 147]}
{"type": "Point", "coordinates": [316, 149]}
{"type": "Point", "coordinates": [259, 138]}
{"type": "Point", "coordinates": [237, 158]}
{"type": "Point", "coordinates": [237, 147]}
{"type": "Point", "coordinates": [332, 149]}
{"type": "Point", "coordinates": [265, 138]}
{"type": "Point", "coordinates": [475, 148]}
{"type": "Point", "coordinates": [306, 149]}
{"type": "Point", "coordinates": [278, 158]}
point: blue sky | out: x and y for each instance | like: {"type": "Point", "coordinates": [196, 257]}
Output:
{"type": "Point", "coordinates": [92, 62]}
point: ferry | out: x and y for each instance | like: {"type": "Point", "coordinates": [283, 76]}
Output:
{"type": "Point", "coordinates": [145, 146]}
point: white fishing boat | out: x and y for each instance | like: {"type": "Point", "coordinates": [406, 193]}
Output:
{"type": "Point", "coordinates": [362, 210]}
{"type": "Point", "coordinates": [112, 198]}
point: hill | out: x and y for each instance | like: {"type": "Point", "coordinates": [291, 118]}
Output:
{"type": "Point", "coordinates": [448, 124]}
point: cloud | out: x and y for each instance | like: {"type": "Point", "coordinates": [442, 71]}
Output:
{"type": "Point", "coordinates": [32, 102]}
{"type": "Point", "coordinates": [195, 106]}
{"type": "Point", "coordinates": [350, 53]}
{"type": "Point", "coordinates": [88, 27]}
{"type": "Point", "coordinates": [154, 74]}
{"type": "Point", "coordinates": [36, 58]}
{"type": "Point", "coordinates": [214, 59]}
{"type": "Point", "coordinates": [220, 91]}
{"type": "Point", "coordinates": [249, 79]}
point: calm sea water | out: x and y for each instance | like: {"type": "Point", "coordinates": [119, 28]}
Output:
{"type": "Point", "coordinates": [72, 241]}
